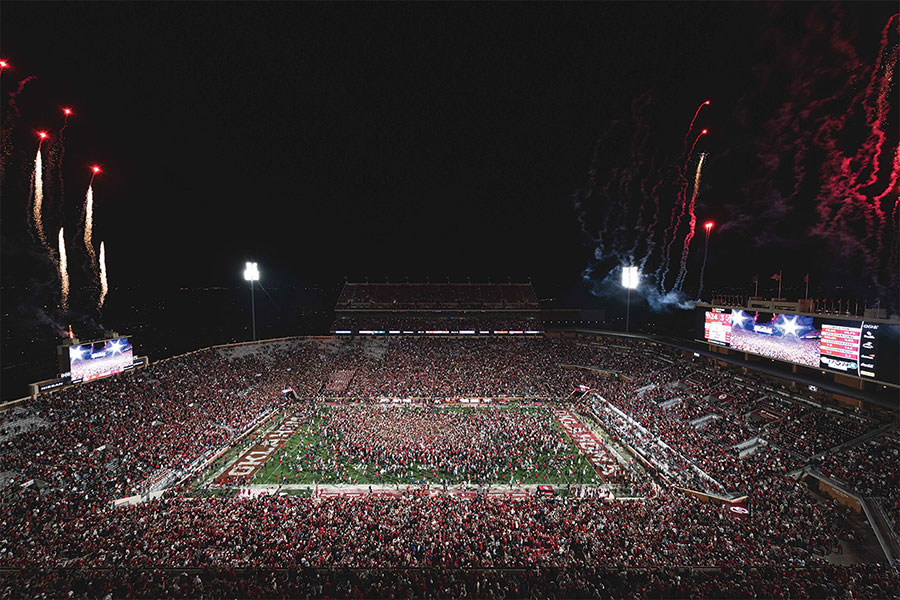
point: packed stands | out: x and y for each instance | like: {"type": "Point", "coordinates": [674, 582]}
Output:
{"type": "Point", "coordinates": [871, 469]}
{"type": "Point", "coordinates": [68, 455]}
{"type": "Point", "coordinates": [114, 434]}
{"type": "Point", "coordinates": [428, 531]}
{"type": "Point", "coordinates": [808, 432]}
{"type": "Point", "coordinates": [821, 581]}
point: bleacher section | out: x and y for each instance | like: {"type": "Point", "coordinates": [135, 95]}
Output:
{"type": "Point", "coordinates": [439, 308]}
{"type": "Point", "coordinates": [692, 425]}
{"type": "Point", "coordinates": [437, 296]}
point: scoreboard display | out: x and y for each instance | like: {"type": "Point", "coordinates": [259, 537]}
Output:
{"type": "Point", "coordinates": [866, 349]}
{"type": "Point", "coordinates": [99, 359]}
{"type": "Point", "coordinates": [717, 326]}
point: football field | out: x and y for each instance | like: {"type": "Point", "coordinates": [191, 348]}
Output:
{"type": "Point", "coordinates": [416, 445]}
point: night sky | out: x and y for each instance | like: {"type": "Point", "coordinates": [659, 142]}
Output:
{"type": "Point", "coordinates": [400, 140]}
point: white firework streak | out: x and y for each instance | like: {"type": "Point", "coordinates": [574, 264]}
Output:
{"type": "Point", "coordinates": [39, 198]}
{"type": "Point", "coordinates": [89, 226]}
{"type": "Point", "coordinates": [63, 271]}
{"type": "Point", "coordinates": [703, 267]}
{"type": "Point", "coordinates": [682, 273]}
{"type": "Point", "coordinates": [104, 286]}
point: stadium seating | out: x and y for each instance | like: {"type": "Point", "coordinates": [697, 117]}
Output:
{"type": "Point", "coordinates": [88, 445]}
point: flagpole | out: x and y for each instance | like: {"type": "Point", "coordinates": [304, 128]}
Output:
{"type": "Point", "coordinates": [780, 275]}
{"type": "Point", "coordinates": [807, 286]}
{"type": "Point", "coordinates": [756, 291]}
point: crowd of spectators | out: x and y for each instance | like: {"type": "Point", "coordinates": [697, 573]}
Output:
{"type": "Point", "coordinates": [105, 439]}
{"type": "Point", "coordinates": [418, 530]}
{"type": "Point", "coordinates": [818, 582]}
{"type": "Point", "coordinates": [807, 432]}
{"type": "Point", "coordinates": [692, 458]}
{"type": "Point", "coordinates": [523, 368]}
{"type": "Point", "coordinates": [787, 530]}
{"type": "Point", "coordinates": [872, 469]}
{"type": "Point", "coordinates": [114, 436]}
{"type": "Point", "coordinates": [698, 424]}
{"type": "Point", "coordinates": [409, 443]}
{"type": "Point", "coordinates": [98, 442]}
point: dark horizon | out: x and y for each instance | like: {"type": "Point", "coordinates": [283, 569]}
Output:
{"type": "Point", "coordinates": [479, 141]}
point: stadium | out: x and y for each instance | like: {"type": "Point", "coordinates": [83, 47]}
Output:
{"type": "Point", "coordinates": [569, 463]}
{"type": "Point", "coordinates": [453, 300]}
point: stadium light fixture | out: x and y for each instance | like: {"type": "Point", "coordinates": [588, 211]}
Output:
{"type": "Point", "coordinates": [251, 274]}
{"type": "Point", "coordinates": [630, 278]}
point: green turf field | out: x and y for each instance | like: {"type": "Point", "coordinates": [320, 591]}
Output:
{"type": "Point", "coordinates": [285, 467]}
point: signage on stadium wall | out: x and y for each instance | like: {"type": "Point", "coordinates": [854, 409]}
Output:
{"type": "Point", "coordinates": [52, 384]}
{"type": "Point", "coordinates": [467, 400]}
{"type": "Point", "coordinates": [739, 510]}
{"type": "Point", "coordinates": [388, 399]}
{"type": "Point", "coordinates": [722, 397]}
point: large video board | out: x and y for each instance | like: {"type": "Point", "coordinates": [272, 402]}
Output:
{"type": "Point", "coordinates": [99, 359]}
{"type": "Point", "coordinates": [867, 349]}
{"type": "Point", "coordinates": [786, 337]}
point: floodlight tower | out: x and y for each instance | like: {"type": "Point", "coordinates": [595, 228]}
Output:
{"type": "Point", "coordinates": [251, 274]}
{"type": "Point", "coordinates": [630, 278]}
